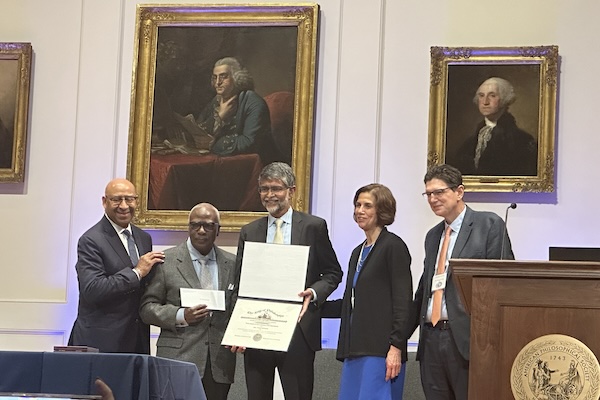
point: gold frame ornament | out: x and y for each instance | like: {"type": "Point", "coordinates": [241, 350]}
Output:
{"type": "Point", "coordinates": [456, 76]}
{"type": "Point", "coordinates": [17, 59]}
{"type": "Point", "coordinates": [194, 23]}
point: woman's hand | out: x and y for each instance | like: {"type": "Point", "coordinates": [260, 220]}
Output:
{"type": "Point", "coordinates": [393, 363]}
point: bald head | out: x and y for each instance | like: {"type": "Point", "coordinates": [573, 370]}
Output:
{"type": "Point", "coordinates": [120, 201]}
{"type": "Point", "coordinates": [119, 184]}
{"type": "Point", "coordinates": [204, 227]}
{"type": "Point", "coordinates": [204, 208]}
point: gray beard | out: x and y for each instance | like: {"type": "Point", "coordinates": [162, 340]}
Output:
{"type": "Point", "coordinates": [274, 209]}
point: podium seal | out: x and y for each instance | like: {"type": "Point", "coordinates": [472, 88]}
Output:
{"type": "Point", "coordinates": [555, 367]}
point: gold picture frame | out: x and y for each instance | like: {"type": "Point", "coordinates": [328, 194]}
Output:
{"type": "Point", "coordinates": [177, 49]}
{"type": "Point", "coordinates": [524, 160]}
{"type": "Point", "coordinates": [15, 77]}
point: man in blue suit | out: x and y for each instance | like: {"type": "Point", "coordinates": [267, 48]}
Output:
{"type": "Point", "coordinates": [444, 340]}
{"type": "Point", "coordinates": [114, 260]}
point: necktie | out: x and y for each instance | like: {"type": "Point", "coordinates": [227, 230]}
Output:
{"type": "Point", "coordinates": [436, 311]}
{"type": "Point", "coordinates": [206, 281]}
{"type": "Point", "coordinates": [278, 238]}
{"type": "Point", "coordinates": [133, 255]}
{"type": "Point", "coordinates": [485, 134]}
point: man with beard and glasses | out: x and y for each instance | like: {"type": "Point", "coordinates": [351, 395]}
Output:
{"type": "Point", "coordinates": [276, 185]}
{"type": "Point", "coordinates": [114, 264]}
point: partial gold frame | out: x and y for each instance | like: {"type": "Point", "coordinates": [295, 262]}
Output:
{"type": "Point", "coordinates": [21, 52]}
{"type": "Point", "coordinates": [547, 58]}
{"type": "Point", "coordinates": [149, 18]}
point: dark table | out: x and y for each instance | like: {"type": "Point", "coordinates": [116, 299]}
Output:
{"type": "Point", "coordinates": [130, 376]}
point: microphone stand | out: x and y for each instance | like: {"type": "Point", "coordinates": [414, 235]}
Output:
{"type": "Point", "coordinates": [511, 206]}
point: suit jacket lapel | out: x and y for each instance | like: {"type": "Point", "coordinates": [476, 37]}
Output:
{"type": "Point", "coordinates": [112, 237]}
{"type": "Point", "coordinates": [260, 235]}
{"type": "Point", "coordinates": [463, 235]}
{"type": "Point", "coordinates": [186, 266]}
{"type": "Point", "coordinates": [433, 248]}
{"type": "Point", "coordinates": [138, 242]}
{"type": "Point", "coordinates": [224, 267]}
{"type": "Point", "coordinates": [297, 228]}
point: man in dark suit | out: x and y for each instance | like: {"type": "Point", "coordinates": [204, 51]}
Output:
{"type": "Point", "coordinates": [444, 344]}
{"type": "Point", "coordinates": [194, 334]}
{"type": "Point", "coordinates": [114, 259]}
{"type": "Point", "coordinates": [276, 187]}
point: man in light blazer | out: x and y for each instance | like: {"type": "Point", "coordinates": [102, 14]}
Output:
{"type": "Point", "coordinates": [277, 185]}
{"type": "Point", "coordinates": [194, 334]}
{"type": "Point", "coordinates": [112, 273]}
{"type": "Point", "coordinates": [444, 347]}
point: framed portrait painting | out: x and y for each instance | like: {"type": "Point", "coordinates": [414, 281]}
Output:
{"type": "Point", "coordinates": [492, 115]}
{"type": "Point", "coordinates": [15, 75]}
{"type": "Point", "coordinates": [219, 91]}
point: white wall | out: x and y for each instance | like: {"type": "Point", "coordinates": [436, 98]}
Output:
{"type": "Point", "coordinates": [371, 125]}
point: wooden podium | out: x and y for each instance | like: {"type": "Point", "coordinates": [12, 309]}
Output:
{"type": "Point", "coordinates": [514, 302]}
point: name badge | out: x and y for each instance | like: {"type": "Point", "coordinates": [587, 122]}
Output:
{"type": "Point", "coordinates": [438, 282]}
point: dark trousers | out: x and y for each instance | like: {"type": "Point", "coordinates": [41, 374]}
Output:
{"type": "Point", "coordinates": [214, 390]}
{"type": "Point", "coordinates": [444, 372]}
{"type": "Point", "coordinates": [296, 370]}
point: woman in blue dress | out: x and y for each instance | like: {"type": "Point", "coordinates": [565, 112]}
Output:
{"type": "Point", "coordinates": [376, 305]}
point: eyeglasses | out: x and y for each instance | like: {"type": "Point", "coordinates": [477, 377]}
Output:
{"type": "Point", "coordinates": [272, 189]}
{"type": "Point", "coordinates": [220, 78]}
{"type": "Point", "coordinates": [436, 193]}
{"type": "Point", "coordinates": [208, 226]}
{"type": "Point", "coordinates": [115, 201]}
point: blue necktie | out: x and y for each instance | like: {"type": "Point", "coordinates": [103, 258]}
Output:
{"type": "Point", "coordinates": [131, 247]}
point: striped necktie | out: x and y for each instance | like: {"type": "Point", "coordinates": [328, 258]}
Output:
{"type": "Point", "coordinates": [133, 255]}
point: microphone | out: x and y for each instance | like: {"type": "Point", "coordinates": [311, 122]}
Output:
{"type": "Point", "coordinates": [511, 206]}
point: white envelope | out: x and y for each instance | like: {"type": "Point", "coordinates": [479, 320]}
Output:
{"type": "Point", "coordinates": [214, 299]}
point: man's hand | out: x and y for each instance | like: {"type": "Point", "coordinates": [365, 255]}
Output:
{"type": "Point", "coordinates": [147, 261]}
{"type": "Point", "coordinates": [393, 363]}
{"type": "Point", "coordinates": [308, 296]}
{"type": "Point", "coordinates": [227, 108]}
{"type": "Point", "coordinates": [236, 349]}
{"type": "Point", "coordinates": [194, 315]}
